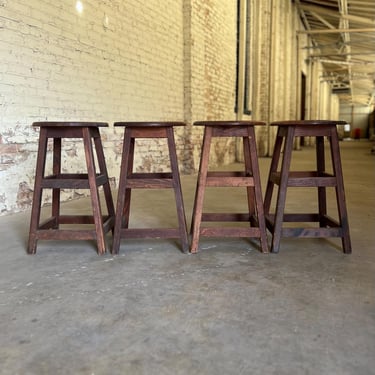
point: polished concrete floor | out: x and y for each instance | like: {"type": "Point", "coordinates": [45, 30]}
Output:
{"type": "Point", "coordinates": [228, 309]}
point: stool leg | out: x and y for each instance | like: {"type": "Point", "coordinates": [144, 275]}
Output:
{"type": "Point", "coordinates": [281, 195]}
{"type": "Point", "coordinates": [249, 172]}
{"type": "Point", "coordinates": [177, 190]}
{"type": "Point", "coordinates": [320, 164]}
{"type": "Point", "coordinates": [128, 191]}
{"type": "Point", "coordinates": [123, 195]}
{"type": "Point", "coordinates": [200, 190]}
{"type": "Point", "coordinates": [340, 192]}
{"type": "Point", "coordinates": [103, 170]}
{"type": "Point", "coordinates": [270, 224]}
{"type": "Point", "coordinates": [56, 170]}
{"type": "Point", "coordinates": [255, 193]}
{"type": "Point", "coordinates": [95, 201]}
{"type": "Point", "coordinates": [273, 168]}
{"type": "Point", "coordinates": [37, 196]}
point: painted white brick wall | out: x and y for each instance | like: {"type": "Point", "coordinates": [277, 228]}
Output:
{"type": "Point", "coordinates": [213, 67]}
{"type": "Point", "coordinates": [59, 65]}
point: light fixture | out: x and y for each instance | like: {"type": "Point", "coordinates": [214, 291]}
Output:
{"type": "Point", "coordinates": [79, 6]}
{"type": "Point", "coordinates": [105, 21]}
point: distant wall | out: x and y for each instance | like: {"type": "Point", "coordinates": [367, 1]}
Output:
{"type": "Point", "coordinates": [358, 118]}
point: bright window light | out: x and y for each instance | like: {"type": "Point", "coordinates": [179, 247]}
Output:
{"type": "Point", "coordinates": [79, 6]}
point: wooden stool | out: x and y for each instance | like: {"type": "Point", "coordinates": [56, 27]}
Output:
{"type": "Point", "coordinates": [250, 179]}
{"type": "Point", "coordinates": [50, 229]}
{"type": "Point", "coordinates": [131, 180]}
{"type": "Point", "coordinates": [328, 227]}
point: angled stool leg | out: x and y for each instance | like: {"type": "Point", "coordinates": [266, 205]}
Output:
{"type": "Point", "coordinates": [128, 165]}
{"type": "Point", "coordinates": [94, 194]}
{"type": "Point", "coordinates": [322, 194]}
{"type": "Point", "coordinates": [103, 170]}
{"type": "Point", "coordinates": [251, 199]}
{"type": "Point", "coordinates": [37, 197]}
{"type": "Point", "coordinates": [254, 194]}
{"type": "Point", "coordinates": [177, 190]}
{"type": "Point", "coordinates": [56, 171]}
{"type": "Point", "coordinates": [200, 190]}
{"type": "Point", "coordinates": [123, 197]}
{"type": "Point", "coordinates": [340, 193]}
{"type": "Point", "coordinates": [270, 184]}
{"type": "Point", "coordinates": [281, 194]}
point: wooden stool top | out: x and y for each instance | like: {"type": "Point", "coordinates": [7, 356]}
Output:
{"type": "Point", "coordinates": [150, 124]}
{"type": "Point", "coordinates": [70, 124]}
{"type": "Point", "coordinates": [228, 123]}
{"type": "Point", "coordinates": [308, 122]}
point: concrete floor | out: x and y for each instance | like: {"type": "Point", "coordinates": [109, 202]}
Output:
{"type": "Point", "coordinates": [226, 310]}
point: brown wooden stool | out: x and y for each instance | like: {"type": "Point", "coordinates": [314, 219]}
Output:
{"type": "Point", "coordinates": [319, 178]}
{"type": "Point", "coordinates": [131, 180]}
{"type": "Point", "coordinates": [250, 179]}
{"type": "Point", "coordinates": [50, 229]}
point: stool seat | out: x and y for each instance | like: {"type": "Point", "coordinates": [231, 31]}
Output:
{"type": "Point", "coordinates": [307, 123]}
{"type": "Point", "coordinates": [69, 124]}
{"type": "Point", "coordinates": [147, 180]}
{"type": "Point", "coordinates": [151, 124]}
{"type": "Point", "coordinates": [281, 177]}
{"type": "Point", "coordinates": [228, 124]}
{"type": "Point", "coordinates": [248, 179]}
{"type": "Point", "coordinates": [51, 228]}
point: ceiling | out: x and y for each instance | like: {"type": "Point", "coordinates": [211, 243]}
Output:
{"type": "Point", "coordinates": [343, 39]}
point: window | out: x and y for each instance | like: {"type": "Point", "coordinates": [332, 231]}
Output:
{"type": "Point", "coordinates": [243, 58]}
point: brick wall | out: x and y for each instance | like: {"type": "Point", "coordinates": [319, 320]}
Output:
{"type": "Point", "coordinates": [138, 61]}
{"type": "Point", "coordinates": [277, 68]}
{"type": "Point", "coordinates": [118, 60]}
{"type": "Point", "coordinates": [210, 41]}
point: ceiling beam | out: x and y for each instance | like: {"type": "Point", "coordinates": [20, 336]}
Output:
{"type": "Point", "coordinates": [320, 9]}
{"type": "Point", "coordinates": [341, 54]}
{"type": "Point", "coordinates": [366, 21]}
{"type": "Point", "coordinates": [322, 20]}
{"type": "Point", "coordinates": [344, 23]}
{"type": "Point", "coordinates": [346, 28]}
{"type": "Point", "coordinates": [330, 31]}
